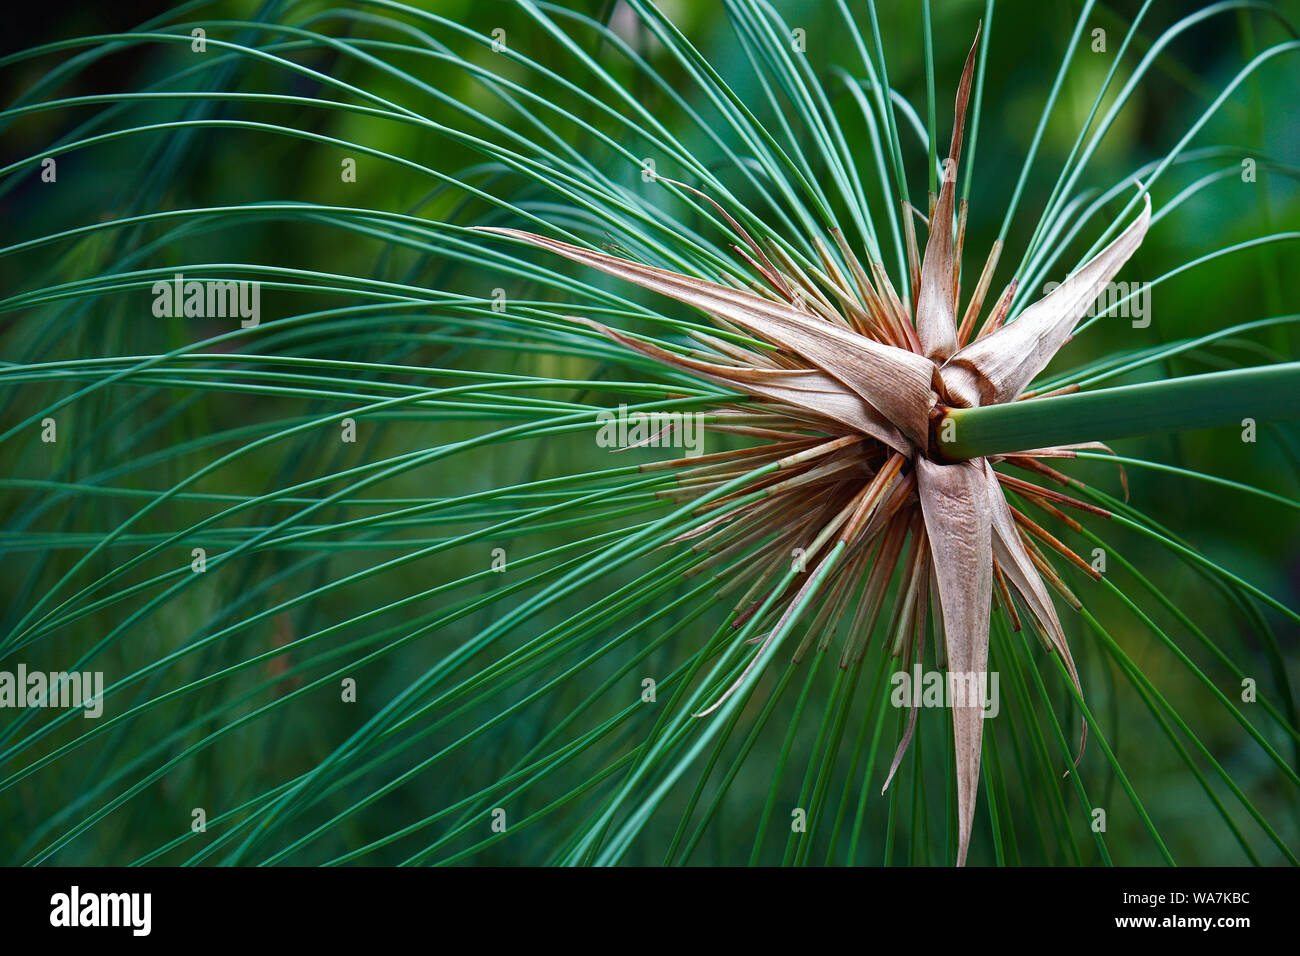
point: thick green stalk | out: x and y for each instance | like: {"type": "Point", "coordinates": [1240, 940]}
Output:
{"type": "Point", "coordinates": [1179, 404]}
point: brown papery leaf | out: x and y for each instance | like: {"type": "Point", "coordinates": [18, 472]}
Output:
{"type": "Point", "coordinates": [811, 389]}
{"type": "Point", "coordinates": [958, 522]}
{"type": "Point", "coordinates": [1022, 574]}
{"type": "Point", "coordinates": [896, 382]}
{"type": "Point", "coordinates": [999, 366]}
{"type": "Point", "coordinates": [936, 324]}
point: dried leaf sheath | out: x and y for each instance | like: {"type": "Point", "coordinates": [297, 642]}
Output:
{"type": "Point", "coordinates": [897, 383]}
{"type": "Point", "coordinates": [954, 500]}
{"type": "Point", "coordinates": [841, 383]}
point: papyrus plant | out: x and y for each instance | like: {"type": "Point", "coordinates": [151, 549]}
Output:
{"type": "Point", "coordinates": [866, 378]}
{"type": "Point", "coordinates": [545, 639]}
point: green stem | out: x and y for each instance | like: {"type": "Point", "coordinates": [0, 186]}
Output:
{"type": "Point", "coordinates": [1194, 401]}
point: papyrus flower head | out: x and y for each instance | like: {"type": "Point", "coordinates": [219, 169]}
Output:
{"type": "Point", "coordinates": [847, 381]}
